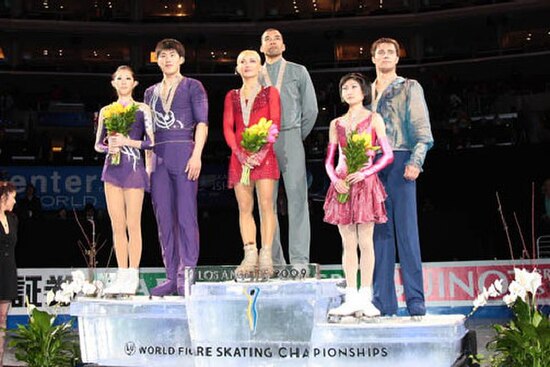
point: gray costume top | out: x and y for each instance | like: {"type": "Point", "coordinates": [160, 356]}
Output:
{"type": "Point", "coordinates": [298, 115]}
{"type": "Point", "coordinates": [298, 100]}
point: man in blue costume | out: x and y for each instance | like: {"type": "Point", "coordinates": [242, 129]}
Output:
{"type": "Point", "coordinates": [402, 105]}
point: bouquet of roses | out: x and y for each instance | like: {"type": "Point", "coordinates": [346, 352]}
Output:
{"type": "Point", "coordinates": [356, 153]}
{"type": "Point", "coordinates": [254, 138]}
{"type": "Point", "coordinates": [118, 119]}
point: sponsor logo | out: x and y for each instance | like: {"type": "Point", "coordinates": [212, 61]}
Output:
{"type": "Point", "coordinates": [252, 294]}
{"type": "Point", "coordinates": [130, 348]}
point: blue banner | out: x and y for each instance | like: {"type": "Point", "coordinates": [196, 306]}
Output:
{"type": "Point", "coordinates": [60, 186]}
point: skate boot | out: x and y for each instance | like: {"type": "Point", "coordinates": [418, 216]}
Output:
{"type": "Point", "coordinates": [368, 308]}
{"type": "Point", "coordinates": [249, 266]}
{"type": "Point", "coordinates": [165, 288]}
{"type": "Point", "coordinates": [265, 263]}
{"type": "Point", "coordinates": [131, 281]}
{"type": "Point", "coordinates": [116, 285]}
{"type": "Point", "coordinates": [350, 307]}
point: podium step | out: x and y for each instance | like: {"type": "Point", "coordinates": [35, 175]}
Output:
{"type": "Point", "coordinates": [270, 323]}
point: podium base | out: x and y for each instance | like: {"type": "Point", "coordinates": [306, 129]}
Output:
{"type": "Point", "coordinates": [273, 323]}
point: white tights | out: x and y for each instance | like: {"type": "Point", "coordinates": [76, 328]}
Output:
{"type": "Point", "coordinates": [352, 236]}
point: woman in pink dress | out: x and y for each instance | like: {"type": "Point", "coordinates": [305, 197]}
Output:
{"type": "Point", "coordinates": [244, 107]}
{"type": "Point", "coordinates": [356, 217]}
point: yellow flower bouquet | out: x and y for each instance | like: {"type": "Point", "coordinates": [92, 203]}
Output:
{"type": "Point", "coordinates": [118, 119]}
{"type": "Point", "coordinates": [254, 138]}
{"type": "Point", "coordinates": [356, 153]}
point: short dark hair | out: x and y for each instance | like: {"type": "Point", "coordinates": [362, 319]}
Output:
{"type": "Point", "coordinates": [271, 30]}
{"type": "Point", "coordinates": [6, 188]}
{"type": "Point", "coordinates": [170, 44]}
{"type": "Point", "coordinates": [376, 43]}
{"type": "Point", "coordinates": [363, 83]}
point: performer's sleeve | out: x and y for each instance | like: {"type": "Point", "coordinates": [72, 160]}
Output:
{"type": "Point", "coordinates": [419, 120]}
{"type": "Point", "coordinates": [147, 96]}
{"type": "Point", "coordinates": [100, 145]}
{"type": "Point", "coordinates": [199, 102]}
{"type": "Point", "coordinates": [148, 139]}
{"type": "Point", "coordinates": [331, 153]}
{"type": "Point", "coordinates": [309, 103]}
{"type": "Point", "coordinates": [229, 122]}
{"type": "Point", "coordinates": [381, 162]}
{"type": "Point", "coordinates": [229, 128]}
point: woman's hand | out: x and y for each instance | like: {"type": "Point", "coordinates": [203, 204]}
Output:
{"type": "Point", "coordinates": [355, 177]}
{"type": "Point", "coordinates": [253, 160]}
{"type": "Point", "coordinates": [341, 186]}
{"type": "Point", "coordinates": [118, 140]}
{"type": "Point", "coordinates": [112, 145]}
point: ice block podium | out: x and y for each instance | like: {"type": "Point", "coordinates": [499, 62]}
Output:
{"type": "Point", "coordinates": [258, 323]}
{"type": "Point", "coordinates": [434, 340]}
{"type": "Point", "coordinates": [135, 331]}
{"type": "Point", "coordinates": [278, 322]}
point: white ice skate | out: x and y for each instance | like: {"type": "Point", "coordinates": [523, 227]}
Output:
{"type": "Point", "coordinates": [125, 284]}
{"type": "Point", "coordinates": [114, 287]}
{"type": "Point", "coordinates": [349, 309]}
{"type": "Point", "coordinates": [130, 283]}
{"type": "Point", "coordinates": [368, 309]}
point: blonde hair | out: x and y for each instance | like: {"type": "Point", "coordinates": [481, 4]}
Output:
{"type": "Point", "coordinates": [245, 53]}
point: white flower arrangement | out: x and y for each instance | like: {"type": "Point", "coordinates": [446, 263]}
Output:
{"type": "Point", "coordinates": [79, 285]}
{"type": "Point", "coordinates": [524, 340]}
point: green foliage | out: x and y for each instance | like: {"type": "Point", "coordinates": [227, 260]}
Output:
{"type": "Point", "coordinates": [42, 343]}
{"type": "Point", "coordinates": [356, 156]}
{"type": "Point", "coordinates": [254, 137]}
{"type": "Point", "coordinates": [120, 120]}
{"type": "Point", "coordinates": [524, 341]}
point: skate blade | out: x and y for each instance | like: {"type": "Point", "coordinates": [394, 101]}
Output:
{"type": "Point", "coordinates": [342, 319]}
{"type": "Point", "coordinates": [246, 276]}
{"type": "Point", "coordinates": [118, 295]}
{"type": "Point", "coordinates": [265, 275]}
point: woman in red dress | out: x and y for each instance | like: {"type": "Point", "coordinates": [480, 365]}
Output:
{"type": "Point", "coordinates": [243, 108]}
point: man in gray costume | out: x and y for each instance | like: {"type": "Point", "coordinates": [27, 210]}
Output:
{"type": "Point", "coordinates": [298, 115]}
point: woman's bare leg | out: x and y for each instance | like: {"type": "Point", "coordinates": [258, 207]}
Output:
{"type": "Point", "coordinates": [245, 200]}
{"type": "Point", "coordinates": [134, 204]}
{"type": "Point", "coordinates": [265, 202]}
{"type": "Point", "coordinates": [117, 212]}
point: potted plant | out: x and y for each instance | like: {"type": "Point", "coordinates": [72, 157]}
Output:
{"type": "Point", "coordinates": [43, 342]}
{"type": "Point", "coordinates": [525, 340]}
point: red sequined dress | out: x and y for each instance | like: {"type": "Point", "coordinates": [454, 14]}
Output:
{"type": "Point", "coordinates": [366, 199]}
{"type": "Point", "coordinates": [266, 104]}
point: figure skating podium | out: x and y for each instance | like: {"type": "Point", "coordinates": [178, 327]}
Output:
{"type": "Point", "coordinates": [278, 322]}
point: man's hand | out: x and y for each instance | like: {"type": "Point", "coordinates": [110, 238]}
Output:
{"type": "Point", "coordinates": [193, 168]}
{"type": "Point", "coordinates": [411, 172]}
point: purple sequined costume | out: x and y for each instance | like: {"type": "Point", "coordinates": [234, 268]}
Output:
{"type": "Point", "coordinates": [130, 173]}
{"type": "Point", "coordinates": [174, 196]}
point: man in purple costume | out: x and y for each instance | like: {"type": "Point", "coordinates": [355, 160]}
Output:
{"type": "Point", "coordinates": [179, 106]}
